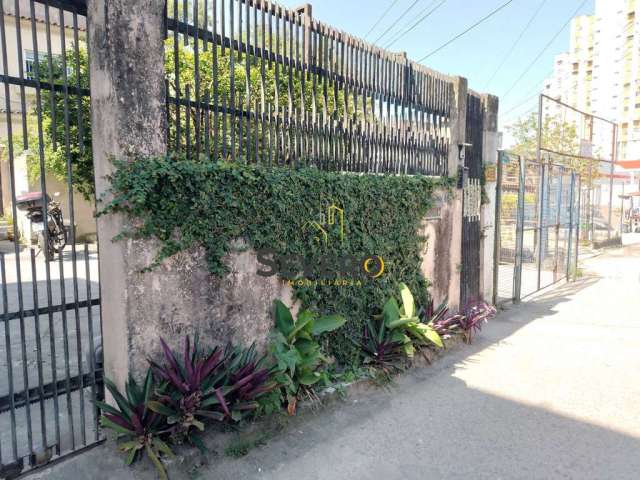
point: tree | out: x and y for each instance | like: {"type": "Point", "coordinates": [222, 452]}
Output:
{"type": "Point", "coordinates": [67, 120]}
{"type": "Point", "coordinates": [558, 136]}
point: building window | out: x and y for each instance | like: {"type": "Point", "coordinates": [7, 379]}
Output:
{"type": "Point", "coordinates": [29, 64]}
{"type": "Point", "coordinates": [43, 58]}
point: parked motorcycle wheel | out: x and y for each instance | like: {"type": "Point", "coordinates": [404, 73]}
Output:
{"type": "Point", "coordinates": [47, 250]}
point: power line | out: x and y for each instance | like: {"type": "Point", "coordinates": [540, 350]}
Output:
{"type": "Point", "coordinates": [515, 44]}
{"type": "Point", "coordinates": [521, 104]}
{"type": "Point", "coordinates": [381, 17]}
{"type": "Point", "coordinates": [418, 22]}
{"type": "Point", "coordinates": [397, 20]}
{"type": "Point", "coordinates": [527, 99]}
{"type": "Point", "coordinates": [483, 19]}
{"type": "Point", "coordinates": [530, 66]}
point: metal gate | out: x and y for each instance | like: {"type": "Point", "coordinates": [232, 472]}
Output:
{"type": "Point", "coordinates": [472, 199]}
{"type": "Point", "coordinates": [537, 226]}
{"type": "Point", "coordinates": [49, 375]}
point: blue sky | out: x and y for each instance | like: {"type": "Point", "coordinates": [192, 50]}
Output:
{"type": "Point", "coordinates": [477, 54]}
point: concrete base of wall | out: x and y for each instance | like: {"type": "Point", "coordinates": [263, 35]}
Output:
{"type": "Point", "coordinates": [182, 298]}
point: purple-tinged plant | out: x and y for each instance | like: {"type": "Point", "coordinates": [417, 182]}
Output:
{"type": "Point", "coordinates": [136, 423]}
{"type": "Point", "coordinates": [381, 349]}
{"type": "Point", "coordinates": [473, 315]}
{"type": "Point", "coordinates": [190, 390]}
{"type": "Point", "coordinates": [218, 386]}
{"type": "Point", "coordinates": [441, 319]}
{"type": "Point", "coordinates": [248, 380]}
{"type": "Point", "coordinates": [194, 373]}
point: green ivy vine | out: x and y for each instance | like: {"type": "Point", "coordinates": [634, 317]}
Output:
{"type": "Point", "coordinates": [185, 203]}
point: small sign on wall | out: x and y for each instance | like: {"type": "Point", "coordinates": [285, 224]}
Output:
{"type": "Point", "coordinates": [435, 213]}
{"type": "Point", "coordinates": [490, 173]}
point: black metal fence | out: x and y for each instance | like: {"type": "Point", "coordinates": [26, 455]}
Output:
{"type": "Point", "coordinates": [50, 320]}
{"type": "Point", "coordinates": [472, 199]}
{"type": "Point", "coordinates": [255, 82]}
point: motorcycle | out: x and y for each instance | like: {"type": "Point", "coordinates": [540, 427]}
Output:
{"type": "Point", "coordinates": [54, 239]}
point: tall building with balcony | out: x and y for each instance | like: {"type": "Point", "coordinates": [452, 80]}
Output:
{"type": "Point", "coordinates": [600, 73]}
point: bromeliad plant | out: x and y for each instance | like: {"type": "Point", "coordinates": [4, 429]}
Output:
{"type": "Point", "coordinates": [397, 333]}
{"type": "Point", "coordinates": [294, 345]}
{"type": "Point", "coordinates": [135, 423]}
{"type": "Point", "coordinates": [473, 315]}
{"type": "Point", "coordinates": [249, 380]}
{"type": "Point", "coordinates": [384, 348]}
{"type": "Point", "coordinates": [441, 318]}
{"type": "Point", "coordinates": [188, 391]}
{"type": "Point", "coordinates": [218, 386]}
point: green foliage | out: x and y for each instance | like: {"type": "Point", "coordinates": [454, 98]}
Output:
{"type": "Point", "coordinates": [186, 203]}
{"type": "Point", "coordinates": [558, 135]}
{"type": "Point", "coordinates": [66, 123]}
{"type": "Point", "coordinates": [405, 319]}
{"type": "Point", "coordinates": [296, 350]}
{"type": "Point", "coordinates": [136, 424]}
{"type": "Point", "coordinates": [397, 333]}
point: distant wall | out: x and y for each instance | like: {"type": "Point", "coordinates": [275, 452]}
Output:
{"type": "Point", "coordinates": [83, 209]}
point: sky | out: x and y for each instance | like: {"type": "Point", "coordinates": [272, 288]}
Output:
{"type": "Point", "coordinates": [478, 54]}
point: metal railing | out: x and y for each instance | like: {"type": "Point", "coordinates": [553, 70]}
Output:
{"type": "Point", "coordinates": [50, 321]}
{"type": "Point", "coordinates": [256, 82]}
{"type": "Point", "coordinates": [537, 226]}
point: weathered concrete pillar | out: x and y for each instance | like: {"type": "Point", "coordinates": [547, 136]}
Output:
{"type": "Point", "coordinates": [458, 129]}
{"type": "Point", "coordinates": [458, 123]}
{"type": "Point", "coordinates": [126, 43]}
{"type": "Point", "coordinates": [490, 105]}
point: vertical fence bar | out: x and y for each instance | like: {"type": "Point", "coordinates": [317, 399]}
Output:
{"type": "Point", "coordinates": [541, 223]}
{"type": "Point", "coordinates": [497, 239]}
{"type": "Point", "coordinates": [558, 219]}
{"type": "Point", "coordinates": [16, 233]}
{"type": "Point", "coordinates": [9, 356]}
{"type": "Point", "coordinates": [92, 352]}
{"type": "Point", "coordinates": [614, 156]}
{"type": "Point", "coordinates": [43, 189]}
{"type": "Point", "coordinates": [70, 200]}
{"type": "Point", "coordinates": [578, 225]}
{"type": "Point", "coordinates": [571, 220]}
{"type": "Point", "coordinates": [34, 286]}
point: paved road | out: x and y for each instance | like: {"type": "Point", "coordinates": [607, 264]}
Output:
{"type": "Point", "coordinates": [550, 390]}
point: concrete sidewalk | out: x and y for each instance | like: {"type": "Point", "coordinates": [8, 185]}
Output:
{"type": "Point", "coordinates": [551, 389]}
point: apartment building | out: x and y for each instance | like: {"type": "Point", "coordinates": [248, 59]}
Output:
{"type": "Point", "coordinates": [600, 73]}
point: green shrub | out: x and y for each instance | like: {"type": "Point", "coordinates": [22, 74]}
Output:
{"type": "Point", "coordinates": [185, 203]}
{"type": "Point", "coordinates": [294, 345]}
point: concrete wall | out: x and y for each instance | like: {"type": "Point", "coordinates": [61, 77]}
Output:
{"type": "Point", "coordinates": [488, 210]}
{"type": "Point", "coordinates": [182, 297]}
{"type": "Point", "coordinates": [441, 257]}
{"type": "Point", "coordinates": [126, 41]}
